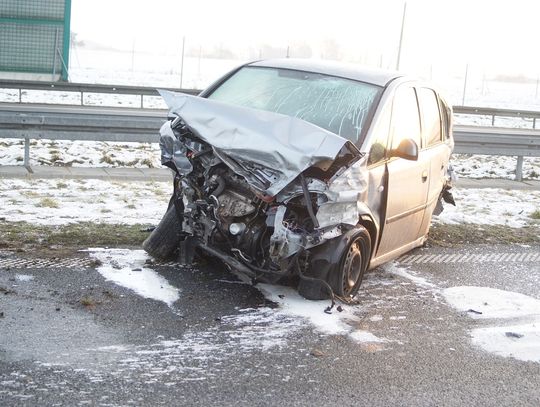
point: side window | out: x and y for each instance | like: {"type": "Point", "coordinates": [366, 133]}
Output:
{"type": "Point", "coordinates": [377, 151]}
{"type": "Point", "coordinates": [446, 114]}
{"type": "Point", "coordinates": [405, 117]}
{"type": "Point", "coordinates": [431, 117]}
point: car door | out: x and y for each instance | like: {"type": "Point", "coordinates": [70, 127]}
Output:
{"type": "Point", "coordinates": [436, 151]}
{"type": "Point", "coordinates": [407, 180]}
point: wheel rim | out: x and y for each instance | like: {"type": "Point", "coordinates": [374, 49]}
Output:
{"type": "Point", "coordinates": [352, 268]}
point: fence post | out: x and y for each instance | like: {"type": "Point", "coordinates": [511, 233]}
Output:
{"type": "Point", "coordinates": [26, 152]}
{"type": "Point", "coordinates": [519, 168]}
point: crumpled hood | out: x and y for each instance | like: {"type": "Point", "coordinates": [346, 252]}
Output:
{"type": "Point", "coordinates": [268, 149]}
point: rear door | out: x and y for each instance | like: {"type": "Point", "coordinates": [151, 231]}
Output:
{"type": "Point", "coordinates": [436, 150]}
{"type": "Point", "coordinates": [407, 181]}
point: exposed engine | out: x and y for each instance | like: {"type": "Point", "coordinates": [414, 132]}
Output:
{"type": "Point", "coordinates": [222, 213]}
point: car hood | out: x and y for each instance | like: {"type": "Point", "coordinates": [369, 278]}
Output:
{"type": "Point", "coordinates": [268, 149]}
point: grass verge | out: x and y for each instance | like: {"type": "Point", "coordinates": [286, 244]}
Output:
{"type": "Point", "coordinates": [22, 235]}
{"type": "Point", "coordinates": [14, 235]}
{"type": "Point", "coordinates": [460, 234]}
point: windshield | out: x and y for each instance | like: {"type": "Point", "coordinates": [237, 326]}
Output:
{"type": "Point", "coordinates": [335, 104]}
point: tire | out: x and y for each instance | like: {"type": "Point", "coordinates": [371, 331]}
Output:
{"type": "Point", "coordinates": [164, 240]}
{"type": "Point", "coordinates": [347, 259]}
{"type": "Point", "coordinates": [346, 276]}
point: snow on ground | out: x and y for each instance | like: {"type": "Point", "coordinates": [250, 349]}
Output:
{"type": "Point", "coordinates": [291, 304]}
{"type": "Point", "coordinates": [59, 202]}
{"type": "Point", "coordinates": [514, 320]}
{"type": "Point", "coordinates": [81, 153]}
{"type": "Point", "coordinates": [147, 155]}
{"type": "Point", "coordinates": [488, 166]}
{"type": "Point", "coordinates": [128, 269]}
{"type": "Point", "coordinates": [492, 207]}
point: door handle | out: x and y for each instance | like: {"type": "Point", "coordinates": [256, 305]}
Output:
{"type": "Point", "coordinates": [424, 176]}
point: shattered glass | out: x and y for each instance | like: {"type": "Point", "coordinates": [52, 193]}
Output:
{"type": "Point", "coordinates": [336, 104]}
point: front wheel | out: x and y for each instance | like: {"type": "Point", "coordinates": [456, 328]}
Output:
{"type": "Point", "coordinates": [347, 276]}
{"type": "Point", "coordinates": [164, 240]}
{"type": "Point", "coordinates": [340, 264]}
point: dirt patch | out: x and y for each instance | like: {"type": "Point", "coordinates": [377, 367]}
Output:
{"type": "Point", "coordinates": [450, 235]}
{"type": "Point", "coordinates": [22, 236]}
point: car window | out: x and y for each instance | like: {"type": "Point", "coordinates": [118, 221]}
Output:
{"type": "Point", "coordinates": [335, 104]}
{"type": "Point", "coordinates": [405, 117]}
{"type": "Point", "coordinates": [431, 117]}
{"type": "Point", "coordinates": [446, 114]}
{"type": "Point", "coordinates": [377, 151]}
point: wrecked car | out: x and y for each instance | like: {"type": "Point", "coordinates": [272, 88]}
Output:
{"type": "Point", "coordinates": [297, 171]}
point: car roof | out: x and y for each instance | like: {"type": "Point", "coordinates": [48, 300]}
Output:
{"type": "Point", "coordinates": [378, 77]}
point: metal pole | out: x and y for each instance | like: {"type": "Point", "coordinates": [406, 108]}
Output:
{"type": "Point", "coordinates": [465, 84]}
{"type": "Point", "coordinates": [401, 35]}
{"type": "Point", "coordinates": [519, 168]}
{"type": "Point", "coordinates": [182, 63]}
{"type": "Point", "coordinates": [26, 152]}
{"type": "Point", "coordinates": [54, 54]}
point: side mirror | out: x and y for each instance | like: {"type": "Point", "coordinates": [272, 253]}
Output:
{"type": "Point", "coordinates": [407, 149]}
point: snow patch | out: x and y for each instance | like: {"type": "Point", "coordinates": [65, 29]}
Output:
{"type": "Point", "coordinates": [60, 202]}
{"type": "Point", "coordinates": [24, 277]}
{"type": "Point", "coordinates": [491, 206]}
{"type": "Point", "coordinates": [127, 268]}
{"type": "Point", "coordinates": [291, 304]}
{"type": "Point", "coordinates": [491, 302]}
{"type": "Point", "coordinates": [393, 268]}
{"type": "Point", "coordinates": [517, 336]}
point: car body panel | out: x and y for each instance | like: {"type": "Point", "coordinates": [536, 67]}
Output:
{"type": "Point", "coordinates": [392, 197]}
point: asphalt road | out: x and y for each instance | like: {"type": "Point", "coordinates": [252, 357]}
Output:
{"type": "Point", "coordinates": [221, 344]}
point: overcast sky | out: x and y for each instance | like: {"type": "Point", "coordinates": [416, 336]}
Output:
{"type": "Point", "coordinates": [499, 36]}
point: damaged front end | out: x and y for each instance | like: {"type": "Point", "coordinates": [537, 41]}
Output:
{"type": "Point", "coordinates": [252, 187]}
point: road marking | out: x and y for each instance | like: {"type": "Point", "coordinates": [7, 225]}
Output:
{"type": "Point", "coordinates": [82, 262]}
{"type": "Point", "coordinates": [471, 258]}
{"type": "Point", "coordinates": [73, 262]}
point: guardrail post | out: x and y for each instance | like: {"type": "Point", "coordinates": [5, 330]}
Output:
{"type": "Point", "coordinates": [82, 98]}
{"type": "Point", "coordinates": [20, 95]}
{"type": "Point", "coordinates": [519, 168]}
{"type": "Point", "coordinates": [142, 99]}
{"type": "Point", "coordinates": [534, 122]}
{"type": "Point", "coordinates": [493, 120]}
{"type": "Point", "coordinates": [26, 152]}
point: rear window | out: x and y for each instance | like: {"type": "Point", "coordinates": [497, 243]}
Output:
{"type": "Point", "coordinates": [431, 117]}
{"type": "Point", "coordinates": [336, 104]}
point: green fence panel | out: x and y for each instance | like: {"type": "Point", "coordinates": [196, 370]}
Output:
{"type": "Point", "coordinates": [35, 36]}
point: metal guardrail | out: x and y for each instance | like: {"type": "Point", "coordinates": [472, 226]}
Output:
{"type": "Point", "coordinates": [134, 125]}
{"type": "Point", "coordinates": [498, 141]}
{"type": "Point", "coordinates": [496, 112]}
{"type": "Point", "coordinates": [84, 88]}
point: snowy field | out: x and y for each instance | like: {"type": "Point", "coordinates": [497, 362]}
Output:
{"type": "Point", "coordinates": [59, 202]}
{"type": "Point", "coordinates": [147, 155]}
